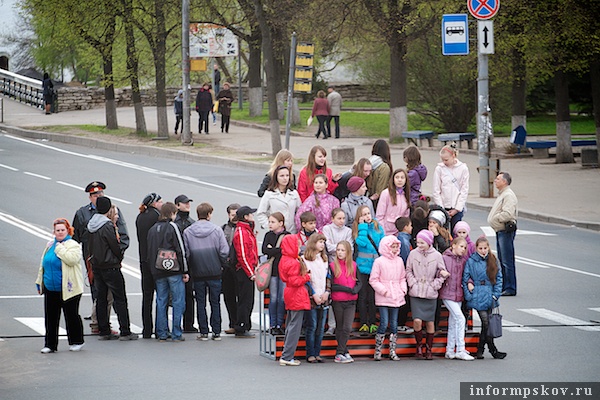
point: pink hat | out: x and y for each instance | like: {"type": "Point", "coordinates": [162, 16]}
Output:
{"type": "Point", "coordinates": [426, 236]}
{"type": "Point", "coordinates": [355, 183]}
{"type": "Point", "coordinates": [462, 225]}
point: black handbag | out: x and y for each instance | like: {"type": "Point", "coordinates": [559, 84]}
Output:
{"type": "Point", "coordinates": [510, 226]}
{"type": "Point", "coordinates": [166, 260]}
{"type": "Point", "coordinates": [495, 324]}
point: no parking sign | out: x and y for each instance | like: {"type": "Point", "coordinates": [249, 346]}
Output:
{"type": "Point", "coordinates": [483, 9]}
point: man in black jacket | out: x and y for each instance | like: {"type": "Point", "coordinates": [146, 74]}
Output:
{"type": "Point", "coordinates": [183, 220]}
{"type": "Point", "coordinates": [106, 256]}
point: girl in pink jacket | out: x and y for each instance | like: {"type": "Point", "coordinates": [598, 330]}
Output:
{"type": "Point", "coordinates": [394, 202]}
{"type": "Point", "coordinates": [388, 280]}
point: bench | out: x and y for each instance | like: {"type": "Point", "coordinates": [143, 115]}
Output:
{"type": "Point", "coordinates": [271, 346]}
{"type": "Point", "coordinates": [457, 137]}
{"type": "Point", "coordinates": [413, 136]}
{"type": "Point", "coordinates": [540, 148]}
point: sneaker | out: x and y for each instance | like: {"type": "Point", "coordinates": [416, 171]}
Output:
{"type": "Point", "coordinates": [131, 336]}
{"type": "Point", "coordinates": [216, 336]}
{"type": "Point", "coordinates": [202, 336]}
{"type": "Point", "coordinates": [364, 329]}
{"type": "Point", "coordinates": [330, 331]}
{"type": "Point", "coordinates": [76, 347]}
{"type": "Point", "coordinates": [373, 329]}
{"type": "Point", "coordinates": [461, 355]}
{"type": "Point", "coordinates": [179, 339]}
{"type": "Point", "coordinates": [405, 329]}
{"type": "Point", "coordinates": [46, 350]}
{"type": "Point", "coordinates": [292, 363]}
{"type": "Point", "coordinates": [110, 336]}
{"type": "Point", "coordinates": [340, 358]}
{"type": "Point", "coordinates": [450, 355]}
{"type": "Point", "coordinates": [349, 357]}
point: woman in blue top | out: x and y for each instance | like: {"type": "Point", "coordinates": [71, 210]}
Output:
{"type": "Point", "coordinates": [367, 234]}
{"type": "Point", "coordinates": [482, 285]}
{"type": "Point", "coordinates": [60, 280]}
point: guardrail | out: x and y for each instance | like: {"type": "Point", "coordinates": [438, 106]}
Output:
{"type": "Point", "coordinates": [22, 88]}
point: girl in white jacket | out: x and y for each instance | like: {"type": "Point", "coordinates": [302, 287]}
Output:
{"type": "Point", "coordinates": [451, 184]}
{"type": "Point", "coordinates": [280, 196]}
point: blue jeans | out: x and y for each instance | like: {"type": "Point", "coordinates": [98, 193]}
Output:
{"type": "Point", "coordinates": [315, 326]}
{"type": "Point", "coordinates": [175, 286]}
{"type": "Point", "coordinates": [505, 246]}
{"type": "Point", "coordinates": [388, 314]}
{"type": "Point", "coordinates": [276, 304]}
{"type": "Point", "coordinates": [213, 287]}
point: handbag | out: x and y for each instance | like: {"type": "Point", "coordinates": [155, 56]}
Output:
{"type": "Point", "coordinates": [216, 107]}
{"type": "Point", "coordinates": [263, 271]}
{"type": "Point", "coordinates": [495, 324]}
{"type": "Point", "coordinates": [510, 226]}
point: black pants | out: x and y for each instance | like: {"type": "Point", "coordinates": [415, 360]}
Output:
{"type": "Point", "coordinates": [484, 316]}
{"type": "Point", "coordinates": [178, 120]}
{"type": "Point", "coordinates": [148, 288]}
{"type": "Point", "coordinates": [189, 314]}
{"type": "Point", "coordinates": [322, 119]}
{"type": "Point", "coordinates": [229, 289]}
{"type": "Point", "coordinates": [366, 301]}
{"type": "Point", "coordinates": [404, 310]}
{"type": "Point", "coordinates": [203, 121]}
{"type": "Point", "coordinates": [336, 118]}
{"type": "Point", "coordinates": [225, 122]}
{"type": "Point", "coordinates": [245, 302]}
{"type": "Point", "coordinates": [111, 279]}
{"type": "Point", "coordinates": [344, 316]}
{"type": "Point", "coordinates": [53, 304]}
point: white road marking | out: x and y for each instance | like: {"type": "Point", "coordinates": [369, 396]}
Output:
{"type": "Point", "coordinates": [562, 319]}
{"type": "Point", "coordinates": [8, 167]}
{"type": "Point", "coordinates": [38, 325]}
{"type": "Point", "coordinates": [508, 325]}
{"type": "Point", "coordinates": [34, 230]}
{"type": "Point", "coordinates": [595, 309]}
{"type": "Point", "coordinates": [37, 175]}
{"type": "Point", "coordinates": [488, 231]}
{"type": "Point", "coordinates": [542, 264]}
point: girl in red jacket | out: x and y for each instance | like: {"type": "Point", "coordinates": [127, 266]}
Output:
{"type": "Point", "coordinates": [316, 164]}
{"type": "Point", "coordinates": [295, 275]}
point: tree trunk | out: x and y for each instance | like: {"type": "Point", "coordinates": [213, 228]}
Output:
{"type": "Point", "coordinates": [595, 78]}
{"type": "Point", "coordinates": [109, 92]}
{"type": "Point", "coordinates": [160, 69]}
{"type": "Point", "coordinates": [398, 102]}
{"type": "Point", "coordinates": [564, 150]}
{"type": "Point", "coordinates": [255, 91]}
{"type": "Point", "coordinates": [281, 99]}
{"type": "Point", "coordinates": [133, 71]}
{"type": "Point", "coordinates": [519, 91]}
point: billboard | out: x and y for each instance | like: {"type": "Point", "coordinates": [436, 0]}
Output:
{"type": "Point", "coordinates": [212, 40]}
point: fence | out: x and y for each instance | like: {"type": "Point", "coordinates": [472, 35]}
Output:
{"type": "Point", "coordinates": [21, 88]}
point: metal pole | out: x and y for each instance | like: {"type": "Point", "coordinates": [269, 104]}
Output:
{"type": "Point", "coordinates": [290, 91]}
{"type": "Point", "coordinates": [186, 136]}
{"type": "Point", "coordinates": [483, 122]}
{"type": "Point", "coordinates": [240, 99]}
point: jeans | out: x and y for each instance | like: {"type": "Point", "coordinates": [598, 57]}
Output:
{"type": "Point", "coordinates": [366, 301]}
{"type": "Point", "coordinates": [213, 287]}
{"type": "Point", "coordinates": [505, 246]}
{"type": "Point", "coordinates": [176, 287]}
{"type": "Point", "coordinates": [293, 329]}
{"type": "Point", "coordinates": [53, 304]}
{"type": "Point", "coordinates": [336, 119]}
{"type": "Point", "coordinates": [111, 279]}
{"type": "Point", "coordinates": [344, 317]}
{"type": "Point", "coordinates": [315, 326]}
{"type": "Point", "coordinates": [456, 326]}
{"type": "Point", "coordinates": [457, 217]}
{"type": "Point", "coordinates": [388, 314]}
{"type": "Point", "coordinates": [276, 304]}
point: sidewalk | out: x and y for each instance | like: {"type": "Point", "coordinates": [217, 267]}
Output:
{"type": "Point", "coordinates": [563, 194]}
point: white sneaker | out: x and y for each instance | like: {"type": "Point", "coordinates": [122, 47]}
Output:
{"type": "Point", "coordinates": [464, 356]}
{"type": "Point", "coordinates": [46, 350]}
{"type": "Point", "coordinates": [450, 355]}
{"type": "Point", "coordinates": [76, 347]}
{"type": "Point", "coordinates": [405, 329]}
{"type": "Point", "coordinates": [330, 331]}
{"type": "Point", "coordinates": [349, 357]}
{"type": "Point", "coordinates": [292, 363]}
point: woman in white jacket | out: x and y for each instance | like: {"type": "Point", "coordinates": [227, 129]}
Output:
{"type": "Point", "coordinates": [279, 197]}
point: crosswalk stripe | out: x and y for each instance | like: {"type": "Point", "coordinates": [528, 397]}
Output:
{"type": "Point", "coordinates": [562, 319]}
{"type": "Point", "coordinates": [508, 325]}
{"type": "Point", "coordinates": [37, 324]}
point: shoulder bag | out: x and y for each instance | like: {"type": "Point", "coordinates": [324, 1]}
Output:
{"type": "Point", "coordinates": [264, 270]}
{"type": "Point", "coordinates": [495, 323]}
{"type": "Point", "coordinates": [166, 260]}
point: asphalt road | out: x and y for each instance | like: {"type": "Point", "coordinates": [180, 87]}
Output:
{"type": "Point", "coordinates": [548, 334]}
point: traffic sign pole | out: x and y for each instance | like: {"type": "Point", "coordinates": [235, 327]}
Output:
{"type": "Point", "coordinates": [484, 122]}
{"type": "Point", "coordinates": [290, 91]}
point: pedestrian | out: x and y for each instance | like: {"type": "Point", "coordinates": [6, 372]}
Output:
{"type": "Point", "coordinates": [48, 93]}
{"type": "Point", "coordinates": [283, 157]}
{"type": "Point", "coordinates": [246, 250]}
{"type": "Point", "coordinates": [320, 110]}
{"type": "Point", "coordinates": [148, 216]}
{"type": "Point", "coordinates": [204, 105]}
{"type": "Point", "coordinates": [451, 184]}
{"type": "Point", "coordinates": [417, 172]}
{"type": "Point", "coordinates": [106, 257]}
{"type": "Point", "coordinates": [164, 236]}
{"type": "Point", "coordinates": [217, 78]}
{"type": "Point", "coordinates": [316, 164]}
{"type": "Point", "coordinates": [335, 107]}
{"type": "Point", "coordinates": [381, 163]}
{"type": "Point", "coordinates": [425, 274]}
{"type": "Point", "coordinates": [452, 295]}
{"type": "Point", "coordinates": [225, 99]}
{"type": "Point", "coordinates": [462, 229]}
{"type": "Point", "coordinates": [320, 203]}
{"type": "Point", "coordinates": [482, 287]}
{"type": "Point", "coordinates": [183, 221]}
{"type": "Point", "coordinates": [206, 248]}
{"type": "Point", "coordinates": [361, 169]}
{"type": "Point", "coordinates": [228, 281]}
{"type": "Point", "coordinates": [319, 288]}
{"type": "Point", "coordinates": [437, 221]}
{"type": "Point", "coordinates": [295, 275]}
{"type": "Point", "coordinates": [388, 280]}
{"type": "Point", "coordinates": [271, 247]}
{"type": "Point", "coordinates": [178, 109]}
{"type": "Point", "coordinates": [503, 219]}
{"type": "Point", "coordinates": [356, 198]}
{"type": "Point", "coordinates": [405, 228]}
{"type": "Point", "coordinates": [394, 202]}
{"type": "Point", "coordinates": [279, 197]}
{"type": "Point", "coordinates": [367, 234]}
{"type": "Point", "coordinates": [344, 292]}
{"type": "Point", "coordinates": [60, 280]}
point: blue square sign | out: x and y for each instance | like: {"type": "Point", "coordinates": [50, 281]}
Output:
{"type": "Point", "coordinates": [455, 35]}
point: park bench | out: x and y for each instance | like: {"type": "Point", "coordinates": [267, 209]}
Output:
{"type": "Point", "coordinates": [413, 136]}
{"type": "Point", "coordinates": [271, 346]}
{"type": "Point", "coordinates": [540, 148]}
{"type": "Point", "coordinates": [457, 137]}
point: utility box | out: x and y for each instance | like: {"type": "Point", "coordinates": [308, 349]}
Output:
{"type": "Point", "coordinates": [589, 158]}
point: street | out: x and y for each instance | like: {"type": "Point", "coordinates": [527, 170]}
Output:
{"type": "Point", "coordinates": [548, 332]}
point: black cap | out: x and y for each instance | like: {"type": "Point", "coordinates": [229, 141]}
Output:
{"type": "Point", "coordinates": [103, 205]}
{"type": "Point", "coordinates": [95, 186]}
{"type": "Point", "coordinates": [243, 211]}
{"type": "Point", "coordinates": [182, 198]}
{"type": "Point", "coordinates": [151, 198]}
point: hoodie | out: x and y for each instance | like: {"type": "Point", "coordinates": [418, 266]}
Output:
{"type": "Point", "coordinates": [415, 177]}
{"type": "Point", "coordinates": [206, 250]}
{"type": "Point", "coordinates": [388, 276]}
{"type": "Point", "coordinates": [295, 294]}
{"type": "Point", "coordinates": [103, 244]}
